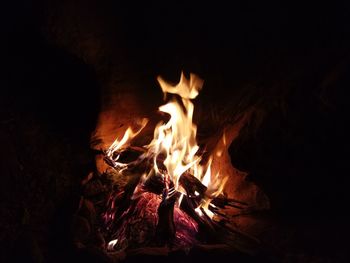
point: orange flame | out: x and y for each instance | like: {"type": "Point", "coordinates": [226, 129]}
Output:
{"type": "Point", "coordinates": [176, 142]}
{"type": "Point", "coordinates": [118, 145]}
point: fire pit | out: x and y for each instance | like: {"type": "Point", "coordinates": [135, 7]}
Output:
{"type": "Point", "coordinates": [171, 194]}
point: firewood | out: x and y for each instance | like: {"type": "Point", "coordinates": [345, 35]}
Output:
{"type": "Point", "coordinates": [165, 231]}
{"type": "Point", "coordinates": [217, 231]}
{"type": "Point", "coordinates": [191, 184]}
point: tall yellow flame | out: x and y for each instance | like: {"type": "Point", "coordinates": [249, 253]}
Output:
{"type": "Point", "coordinates": [176, 139]}
{"type": "Point", "coordinates": [175, 142]}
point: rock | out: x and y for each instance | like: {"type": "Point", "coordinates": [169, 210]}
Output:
{"type": "Point", "coordinates": [93, 188]}
{"type": "Point", "coordinates": [99, 240]}
{"type": "Point", "coordinates": [87, 210]}
{"type": "Point", "coordinates": [81, 229]}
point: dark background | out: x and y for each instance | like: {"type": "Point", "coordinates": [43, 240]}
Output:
{"type": "Point", "coordinates": [291, 62]}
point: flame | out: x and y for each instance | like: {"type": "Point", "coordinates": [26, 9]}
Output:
{"type": "Point", "coordinates": [176, 139]}
{"type": "Point", "coordinates": [118, 145]}
{"type": "Point", "coordinates": [174, 148]}
{"type": "Point", "coordinates": [111, 244]}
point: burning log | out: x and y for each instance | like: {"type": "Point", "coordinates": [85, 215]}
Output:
{"type": "Point", "coordinates": [217, 231]}
{"type": "Point", "coordinates": [195, 192]}
{"type": "Point", "coordinates": [192, 185]}
{"type": "Point", "coordinates": [165, 231]}
{"type": "Point", "coordinates": [205, 225]}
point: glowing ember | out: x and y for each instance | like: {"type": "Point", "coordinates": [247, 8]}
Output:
{"type": "Point", "coordinates": [139, 225]}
